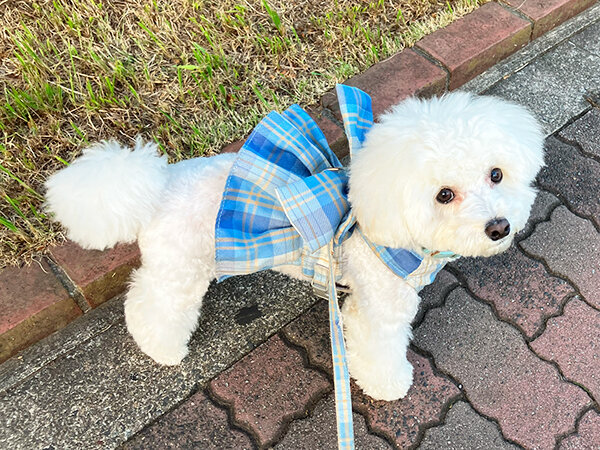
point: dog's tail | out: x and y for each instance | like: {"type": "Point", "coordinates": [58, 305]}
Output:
{"type": "Point", "coordinates": [108, 194]}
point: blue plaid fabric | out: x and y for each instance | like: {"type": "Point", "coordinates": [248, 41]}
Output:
{"type": "Point", "coordinates": [285, 203]}
{"type": "Point", "coordinates": [357, 115]}
{"type": "Point", "coordinates": [284, 180]}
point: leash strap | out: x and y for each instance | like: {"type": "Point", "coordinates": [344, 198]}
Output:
{"type": "Point", "coordinates": [341, 379]}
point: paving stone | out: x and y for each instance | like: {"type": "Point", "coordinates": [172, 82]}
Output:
{"type": "Point", "coordinates": [400, 421]}
{"type": "Point", "coordinates": [570, 247]}
{"type": "Point", "coordinates": [547, 14]}
{"type": "Point", "coordinates": [311, 332]}
{"type": "Point", "coordinates": [587, 39]}
{"type": "Point", "coordinates": [464, 429]}
{"type": "Point", "coordinates": [558, 37]}
{"type": "Point", "coordinates": [403, 421]}
{"type": "Point", "coordinates": [587, 436]}
{"type": "Point", "coordinates": [573, 342]}
{"type": "Point", "coordinates": [543, 204]}
{"type": "Point", "coordinates": [574, 176]}
{"type": "Point", "coordinates": [34, 304]}
{"type": "Point", "coordinates": [268, 388]}
{"type": "Point", "coordinates": [319, 431]}
{"type": "Point", "coordinates": [390, 81]}
{"type": "Point", "coordinates": [197, 423]}
{"type": "Point", "coordinates": [433, 295]}
{"type": "Point", "coordinates": [585, 132]}
{"type": "Point", "coordinates": [567, 71]}
{"type": "Point", "coordinates": [89, 397]}
{"type": "Point", "coordinates": [100, 275]}
{"type": "Point", "coordinates": [234, 147]}
{"type": "Point", "coordinates": [501, 377]}
{"type": "Point", "coordinates": [519, 288]}
{"type": "Point", "coordinates": [476, 42]}
{"type": "Point", "coordinates": [34, 358]}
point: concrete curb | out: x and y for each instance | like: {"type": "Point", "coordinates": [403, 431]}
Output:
{"type": "Point", "coordinates": [78, 280]}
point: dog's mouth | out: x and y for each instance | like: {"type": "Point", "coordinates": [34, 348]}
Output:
{"type": "Point", "coordinates": [502, 244]}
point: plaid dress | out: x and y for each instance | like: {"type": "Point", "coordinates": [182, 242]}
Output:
{"type": "Point", "coordinates": [285, 203]}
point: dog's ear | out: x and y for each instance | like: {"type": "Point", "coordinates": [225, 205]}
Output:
{"type": "Point", "coordinates": [381, 194]}
{"type": "Point", "coordinates": [521, 131]}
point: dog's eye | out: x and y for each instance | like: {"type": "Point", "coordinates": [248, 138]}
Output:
{"type": "Point", "coordinates": [496, 175]}
{"type": "Point", "coordinates": [445, 196]}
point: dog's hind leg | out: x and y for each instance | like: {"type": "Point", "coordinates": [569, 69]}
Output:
{"type": "Point", "coordinates": [163, 306]}
{"type": "Point", "coordinates": [178, 262]}
{"type": "Point", "coordinates": [164, 301]}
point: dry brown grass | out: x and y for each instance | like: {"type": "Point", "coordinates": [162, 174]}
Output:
{"type": "Point", "coordinates": [192, 75]}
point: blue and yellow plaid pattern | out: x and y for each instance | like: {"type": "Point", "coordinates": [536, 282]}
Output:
{"type": "Point", "coordinates": [285, 202]}
{"type": "Point", "coordinates": [283, 178]}
{"type": "Point", "coordinates": [357, 115]}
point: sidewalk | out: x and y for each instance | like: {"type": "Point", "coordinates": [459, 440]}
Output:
{"type": "Point", "coordinates": [506, 350]}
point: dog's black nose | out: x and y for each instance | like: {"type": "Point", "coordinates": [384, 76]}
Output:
{"type": "Point", "coordinates": [497, 229]}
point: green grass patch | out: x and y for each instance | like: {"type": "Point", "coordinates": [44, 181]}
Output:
{"type": "Point", "coordinates": [192, 75]}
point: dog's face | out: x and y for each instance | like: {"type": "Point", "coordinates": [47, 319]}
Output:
{"type": "Point", "coordinates": [447, 174]}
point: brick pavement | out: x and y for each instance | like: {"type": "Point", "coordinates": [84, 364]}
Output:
{"type": "Point", "coordinates": [42, 307]}
{"type": "Point", "coordinates": [506, 350]}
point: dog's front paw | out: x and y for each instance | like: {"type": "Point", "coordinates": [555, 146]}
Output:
{"type": "Point", "coordinates": [383, 383]}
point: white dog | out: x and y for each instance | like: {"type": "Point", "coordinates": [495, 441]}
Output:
{"type": "Point", "coordinates": [447, 174]}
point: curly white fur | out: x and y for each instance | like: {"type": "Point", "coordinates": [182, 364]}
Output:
{"type": "Point", "coordinates": [109, 194]}
{"type": "Point", "coordinates": [112, 194]}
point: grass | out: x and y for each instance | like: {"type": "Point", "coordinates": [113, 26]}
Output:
{"type": "Point", "coordinates": [192, 75]}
